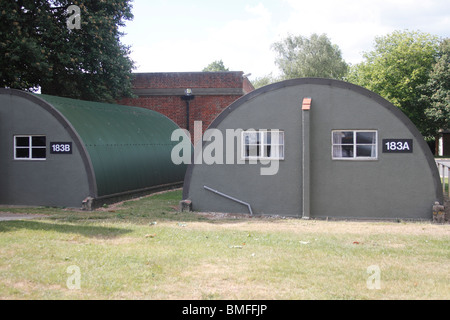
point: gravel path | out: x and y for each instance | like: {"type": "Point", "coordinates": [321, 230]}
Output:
{"type": "Point", "coordinates": [7, 216]}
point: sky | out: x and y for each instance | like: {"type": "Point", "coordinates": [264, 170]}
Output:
{"type": "Point", "coordinates": [187, 35]}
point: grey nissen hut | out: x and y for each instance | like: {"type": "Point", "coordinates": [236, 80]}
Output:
{"type": "Point", "coordinates": [58, 151]}
{"type": "Point", "coordinates": [340, 151]}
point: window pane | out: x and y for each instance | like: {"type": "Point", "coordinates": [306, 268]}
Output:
{"type": "Point", "coordinates": [38, 153]}
{"type": "Point", "coordinates": [365, 151]}
{"type": "Point", "coordinates": [281, 138]}
{"type": "Point", "coordinates": [277, 137]}
{"type": "Point", "coordinates": [268, 149]}
{"type": "Point", "coordinates": [268, 137]}
{"type": "Point", "coordinates": [38, 141]}
{"type": "Point", "coordinates": [263, 144]}
{"type": "Point", "coordinates": [354, 144]}
{"type": "Point", "coordinates": [280, 152]}
{"type": "Point", "coordinates": [343, 151]}
{"type": "Point", "coordinates": [22, 141]}
{"type": "Point", "coordinates": [251, 137]}
{"type": "Point", "coordinates": [22, 153]}
{"type": "Point", "coordinates": [366, 137]}
{"type": "Point", "coordinates": [343, 137]}
{"type": "Point", "coordinates": [252, 151]}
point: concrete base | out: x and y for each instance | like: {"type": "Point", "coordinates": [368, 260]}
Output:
{"type": "Point", "coordinates": [186, 206]}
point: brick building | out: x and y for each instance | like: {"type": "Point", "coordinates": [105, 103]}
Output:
{"type": "Point", "coordinates": [211, 93]}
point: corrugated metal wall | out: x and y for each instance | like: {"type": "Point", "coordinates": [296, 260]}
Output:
{"type": "Point", "coordinates": [129, 147]}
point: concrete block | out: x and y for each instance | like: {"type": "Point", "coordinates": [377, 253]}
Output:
{"type": "Point", "coordinates": [186, 206]}
{"type": "Point", "coordinates": [438, 213]}
{"type": "Point", "coordinates": [86, 205]}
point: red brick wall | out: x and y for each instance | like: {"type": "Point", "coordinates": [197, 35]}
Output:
{"type": "Point", "coordinates": [203, 108]}
{"type": "Point", "coordinates": [207, 108]}
{"type": "Point", "coordinates": [171, 106]}
{"type": "Point", "coordinates": [248, 87]}
{"type": "Point", "coordinates": [189, 80]}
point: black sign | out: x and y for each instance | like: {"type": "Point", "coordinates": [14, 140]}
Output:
{"type": "Point", "coordinates": [397, 145]}
{"type": "Point", "coordinates": [61, 147]}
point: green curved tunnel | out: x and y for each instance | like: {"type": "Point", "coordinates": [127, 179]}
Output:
{"type": "Point", "coordinates": [115, 150]}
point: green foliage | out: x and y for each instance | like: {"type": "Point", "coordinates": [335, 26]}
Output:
{"type": "Point", "coordinates": [40, 50]}
{"type": "Point", "coordinates": [316, 56]}
{"type": "Point", "coordinates": [215, 66]}
{"type": "Point", "coordinates": [397, 69]}
{"type": "Point", "coordinates": [264, 81]}
{"type": "Point", "coordinates": [437, 89]}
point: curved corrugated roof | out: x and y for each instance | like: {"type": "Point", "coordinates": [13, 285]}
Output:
{"type": "Point", "coordinates": [129, 147]}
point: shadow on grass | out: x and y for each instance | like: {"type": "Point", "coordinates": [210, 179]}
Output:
{"type": "Point", "coordinates": [85, 230]}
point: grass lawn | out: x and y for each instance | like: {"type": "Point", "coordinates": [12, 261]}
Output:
{"type": "Point", "coordinates": [144, 249]}
{"type": "Point", "coordinates": [445, 180]}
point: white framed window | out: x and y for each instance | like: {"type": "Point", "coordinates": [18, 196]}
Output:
{"type": "Point", "coordinates": [354, 144]}
{"type": "Point", "coordinates": [263, 144]}
{"type": "Point", "coordinates": [30, 147]}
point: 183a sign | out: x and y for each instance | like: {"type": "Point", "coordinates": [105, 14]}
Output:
{"type": "Point", "coordinates": [397, 145]}
{"type": "Point", "coordinates": [61, 147]}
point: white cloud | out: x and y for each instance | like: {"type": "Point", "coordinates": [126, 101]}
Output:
{"type": "Point", "coordinates": [243, 45]}
{"type": "Point", "coordinates": [241, 33]}
{"type": "Point", "coordinates": [350, 24]}
{"type": "Point", "coordinates": [353, 24]}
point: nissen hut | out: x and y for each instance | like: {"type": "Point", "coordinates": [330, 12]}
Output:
{"type": "Point", "coordinates": [60, 152]}
{"type": "Point", "coordinates": [339, 151]}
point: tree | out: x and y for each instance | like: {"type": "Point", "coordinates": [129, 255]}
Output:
{"type": "Point", "coordinates": [41, 49]}
{"type": "Point", "coordinates": [397, 69]}
{"type": "Point", "coordinates": [264, 81]}
{"type": "Point", "coordinates": [316, 56]}
{"type": "Point", "coordinates": [215, 66]}
{"type": "Point", "coordinates": [437, 90]}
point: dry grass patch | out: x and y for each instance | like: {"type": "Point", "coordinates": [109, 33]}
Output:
{"type": "Point", "coordinates": [298, 226]}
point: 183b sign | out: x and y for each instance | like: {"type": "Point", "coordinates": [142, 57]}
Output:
{"type": "Point", "coordinates": [61, 147]}
{"type": "Point", "coordinates": [397, 145]}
